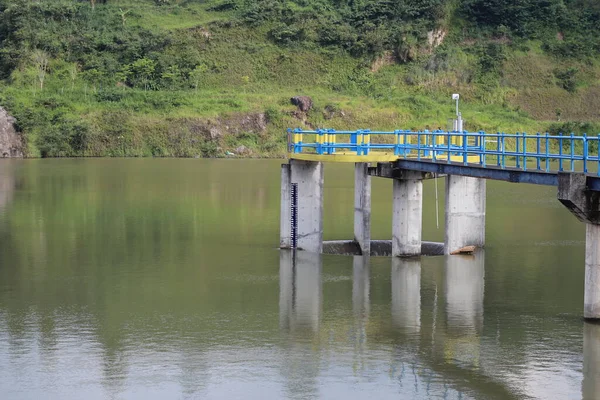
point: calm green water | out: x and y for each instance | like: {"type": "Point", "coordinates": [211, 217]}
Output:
{"type": "Point", "coordinates": [159, 279]}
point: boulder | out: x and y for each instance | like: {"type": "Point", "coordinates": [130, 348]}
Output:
{"type": "Point", "coordinates": [304, 103]}
{"type": "Point", "coordinates": [242, 150]}
{"type": "Point", "coordinates": [11, 144]}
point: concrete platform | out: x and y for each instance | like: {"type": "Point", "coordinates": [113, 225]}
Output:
{"type": "Point", "coordinates": [382, 248]}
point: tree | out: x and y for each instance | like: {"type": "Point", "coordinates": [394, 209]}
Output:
{"type": "Point", "coordinates": [171, 76]}
{"type": "Point", "coordinates": [40, 59]}
{"type": "Point", "coordinates": [73, 72]}
{"type": "Point", "coordinates": [93, 76]}
{"type": "Point", "coordinates": [142, 71]}
{"type": "Point", "coordinates": [123, 15]}
{"type": "Point", "coordinates": [197, 74]}
{"type": "Point", "coordinates": [93, 3]}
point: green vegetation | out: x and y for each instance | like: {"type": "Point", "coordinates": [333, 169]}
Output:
{"type": "Point", "coordinates": [195, 78]}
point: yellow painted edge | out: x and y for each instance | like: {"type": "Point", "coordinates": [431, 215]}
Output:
{"type": "Point", "coordinates": [341, 157]}
{"type": "Point", "coordinates": [470, 159]}
{"type": "Point", "coordinates": [373, 157]}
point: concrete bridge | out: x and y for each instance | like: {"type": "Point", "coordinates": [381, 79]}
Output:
{"type": "Point", "coordinates": [464, 159]}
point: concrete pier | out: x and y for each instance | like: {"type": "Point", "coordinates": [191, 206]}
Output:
{"type": "Point", "coordinates": [406, 294]}
{"type": "Point", "coordinates": [465, 212]}
{"type": "Point", "coordinates": [285, 215]}
{"type": "Point", "coordinates": [407, 215]}
{"type": "Point", "coordinates": [362, 207]}
{"type": "Point", "coordinates": [308, 176]}
{"type": "Point", "coordinates": [585, 206]}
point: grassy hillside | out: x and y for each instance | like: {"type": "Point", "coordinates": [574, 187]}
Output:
{"type": "Point", "coordinates": [199, 78]}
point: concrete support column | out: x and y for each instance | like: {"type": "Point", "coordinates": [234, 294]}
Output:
{"type": "Point", "coordinates": [406, 294]}
{"type": "Point", "coordinates": [591, 297]}
{"type": "Point", "coordinates": [285, 215]}
{"type": "Point", "coordinates": [407, 215]}
{"type": "Point", "coordinates": [308, 175]}
{"type": "Point", "coordinates": [573, 193]}
{"type": "Point", "coordinates": [362, 207]}
{"type": "Point", "coordinates": [465, 212]}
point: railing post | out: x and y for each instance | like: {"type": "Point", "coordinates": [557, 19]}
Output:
{"type": "Point", "coordinates": [572, 152]}
{"type": "Point", "coordinates": [524, 151]}
{"type": "Point", "coordinates": [598, 154]}
{"type": "Point", "coordinates": [482, 157]}
{"type": "Point", "coordinates": [503, 153]}
{"type": "Point", "coordinates": [354, 141]}
{"type": "Point", "coordinates": [419, 145]}
{"type": "Point", "coordinates": [448, 140]}
{"type": "Point", "coordinates": [585, 152]}
{"type": "Point", "coordinates": [498, 149]}
{"type": "Point", "coordinates": [297, 140]}
{"type": "Point", "coordinates": [464, 146]}
{"type": "Point", "coordinates": [547, 154]}
{"type": "Point", "coordinates": [560, 153]}
{"type": "Point", "coordinates": [332, 140]}
{"type": "Point", "coordinates": [434, 147]}
{"type": "Point", "coordinates": [319, 140]}
{"type": "Point", "coordinates": [517, 151]}
{"type": "Point", "coordinates": [538, 150]}
{"type": "Point", "coordinates": [366, 141]}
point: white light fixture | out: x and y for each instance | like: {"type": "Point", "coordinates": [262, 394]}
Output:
{"type": "Point", "coordinates": [456, 96]}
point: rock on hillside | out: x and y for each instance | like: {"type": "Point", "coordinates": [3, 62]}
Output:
{"type": "Point", "coordinates": [11, 144]}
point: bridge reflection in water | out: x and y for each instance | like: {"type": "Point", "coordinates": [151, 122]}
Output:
{"type": "Point", "coordinates": [435, 334]}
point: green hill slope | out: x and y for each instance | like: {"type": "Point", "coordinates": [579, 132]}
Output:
{"type": "Point", "coordinates": [200, 78]}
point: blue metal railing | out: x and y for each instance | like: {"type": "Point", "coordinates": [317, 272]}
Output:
{"type": "Point", "coordinates": [549, 153]}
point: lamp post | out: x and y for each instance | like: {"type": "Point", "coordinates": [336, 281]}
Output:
{"type": "Point", "coordinates": [458, 122]}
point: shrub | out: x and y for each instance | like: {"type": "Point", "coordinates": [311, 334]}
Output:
{"type": "Point", "coordinates": [567, 79]}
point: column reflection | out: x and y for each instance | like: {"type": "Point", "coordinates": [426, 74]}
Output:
{"type": "Point", "coordinates": [300, 294]}
{"type": "Point", "coordinates": [591, 361]}
{"type": "Point", "coordinates": [300, 299]}
{"type": "Point", "coordinates": [406, 294]}
{"type": "Point", "coordinates": [360, 306]}
{"type": "Point", "coordinates": [7, 183]}
{"type": "Point", "coordinates": [360, 286]}
{"type": "Point", "coordinates": [464, 307]}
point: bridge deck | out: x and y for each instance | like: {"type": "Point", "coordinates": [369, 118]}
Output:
{"type": "Point", "coordinates": [537, 154]}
